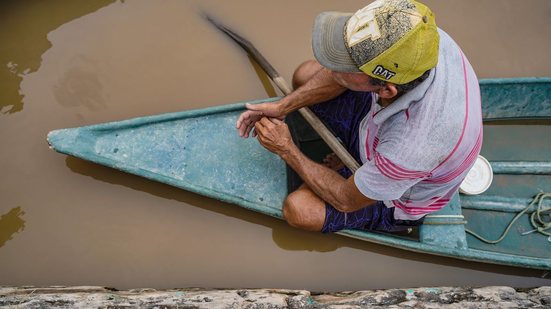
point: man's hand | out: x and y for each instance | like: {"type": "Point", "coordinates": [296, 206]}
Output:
{"type": "Point", "coordinates": [254, 113]}
{"type": "Point", "coordinates": [274, 135]}
{"type": "Point", "coordinates": [342, 193]}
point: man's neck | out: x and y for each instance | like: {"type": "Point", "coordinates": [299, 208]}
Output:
{"type": "Point", "coordinates": [386, 102]}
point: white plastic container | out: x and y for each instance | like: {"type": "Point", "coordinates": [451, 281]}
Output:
{"type": "Point", "coordinates": [479, 177]}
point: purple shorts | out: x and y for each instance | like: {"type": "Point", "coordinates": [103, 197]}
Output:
{"type": "Point", "coordinates": [342, 115]}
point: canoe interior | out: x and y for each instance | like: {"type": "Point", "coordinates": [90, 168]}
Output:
{"type": "Point", "coordinates": [526, 142]}
{"type": "Point", "coordinates": [200, 151]}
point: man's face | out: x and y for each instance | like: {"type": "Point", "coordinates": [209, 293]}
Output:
{"type": "Point", "coordinates": [354, 81]}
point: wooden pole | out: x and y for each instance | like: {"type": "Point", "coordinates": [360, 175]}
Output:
{"type": "Point", "coordinates": [280, 82]}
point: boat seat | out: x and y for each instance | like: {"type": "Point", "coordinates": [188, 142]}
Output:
{"type": "Point", "coordinates": [446, 227]}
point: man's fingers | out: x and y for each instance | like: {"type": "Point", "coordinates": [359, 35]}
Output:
{"type": "Point", "coordinates": [242, 118]}
{"type": "Point", "coordinates": [269, 109]}
{"type": "Point", "coordinates": [259, 127]}
{"type": "Point", "coordinates": [259, 124]}
{"type": "Point", "coordinates": [270, 121]}
{"type": "Point", "coordinates": [245, 128]}
{"type": "Point", "coordinates": [267, 122]}
{"type": "Point", "coordinates": [255, 113]}
{"type": "Point", "coordinates": [241, 126]}
{"type": "Point", "coordinates": [243, 131]}
{"type": "Point", "coordinates": [277, 121]}
{"type": "Point", "coordinates": [255, 107]}
{"type": "Point", "coordinates": [245, 122]}
{"type": "Point", "coordinates": [250, 126]}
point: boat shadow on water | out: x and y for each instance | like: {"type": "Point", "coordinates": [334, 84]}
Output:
{"type": "Point", "coordinates": [283, 235]}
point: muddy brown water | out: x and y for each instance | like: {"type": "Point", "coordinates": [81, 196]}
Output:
{"type": "Point", "coordinates": [65, 221]}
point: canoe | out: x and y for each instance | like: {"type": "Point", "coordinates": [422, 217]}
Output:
{"type": "Point", "coordinates": [200, 151]}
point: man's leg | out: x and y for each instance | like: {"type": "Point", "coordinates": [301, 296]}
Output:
{"type": "Point", "coordinates": [304, 209]}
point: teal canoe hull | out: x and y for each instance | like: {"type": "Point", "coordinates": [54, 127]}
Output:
{"type": "Point", "coordinates": [200, 151]}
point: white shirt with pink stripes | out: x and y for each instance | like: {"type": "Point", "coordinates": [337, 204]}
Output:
{"type": "Point", "coordinates": [416, 152]}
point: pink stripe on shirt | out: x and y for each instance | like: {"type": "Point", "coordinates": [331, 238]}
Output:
{"type": "Point", "coordinates": [394, 171]}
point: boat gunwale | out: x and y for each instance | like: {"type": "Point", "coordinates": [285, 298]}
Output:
{"type": "Point", "coordinates": [514, 80]}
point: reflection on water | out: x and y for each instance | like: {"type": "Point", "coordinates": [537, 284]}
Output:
{"type": "Point", "coordinates": [23, 39]}
{"type": "Point", "coordinates": [105, 174]}
{"type": "Point", "coordinates": [80, 86]}
{"type": "Point", "coordinates": [285, 237]}
{"type": "Point", "coordinates": [11, 223]}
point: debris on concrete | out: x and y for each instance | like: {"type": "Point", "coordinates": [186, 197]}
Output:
{"type": "Point", "coordinates": [438, 297]}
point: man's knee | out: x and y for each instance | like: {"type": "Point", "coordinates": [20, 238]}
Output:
{"type": "Point", "coordinates": [304, 72]}
{"type": "Point", "coordinates": [299, 214]}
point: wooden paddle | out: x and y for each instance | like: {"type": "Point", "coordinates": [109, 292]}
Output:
{"type": "Point", "coordinates": [306, 113]}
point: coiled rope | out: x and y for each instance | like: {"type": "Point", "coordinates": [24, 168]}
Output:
{"type": "Point", "coordinates": [537, 219]}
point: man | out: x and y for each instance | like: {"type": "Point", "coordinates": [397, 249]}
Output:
{"type": "Point", "coordinates": [404, 101]}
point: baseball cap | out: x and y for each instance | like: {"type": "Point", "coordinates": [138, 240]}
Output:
{"type": "Point", "coordinates": [392, 40]}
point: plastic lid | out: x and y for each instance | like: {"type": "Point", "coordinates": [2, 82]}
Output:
{"type": "Point", "coordinates": [479, 177]}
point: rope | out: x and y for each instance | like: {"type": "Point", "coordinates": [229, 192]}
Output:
{"type": "Point", "coordinates": [536, 219]}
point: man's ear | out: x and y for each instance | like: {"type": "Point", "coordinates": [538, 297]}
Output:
{"type": "Point", "coordinates": [388, 91]}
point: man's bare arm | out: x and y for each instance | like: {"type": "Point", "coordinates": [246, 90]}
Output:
{"type": "Point", "coordinates": [321, 87]}
{"type": "Point", "coordinates": [342, 193]}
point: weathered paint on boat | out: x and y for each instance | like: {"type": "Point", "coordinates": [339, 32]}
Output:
{"type": "Point", "coordinates": [200, 151]}
{"type": "Point", "coordinates": [516, 98]}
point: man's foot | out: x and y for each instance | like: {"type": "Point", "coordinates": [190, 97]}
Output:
{"type": "Point", "coordinates": [333, 162]}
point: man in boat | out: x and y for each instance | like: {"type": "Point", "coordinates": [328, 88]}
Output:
{"type": "Point", "coordinates": [401, 96]}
